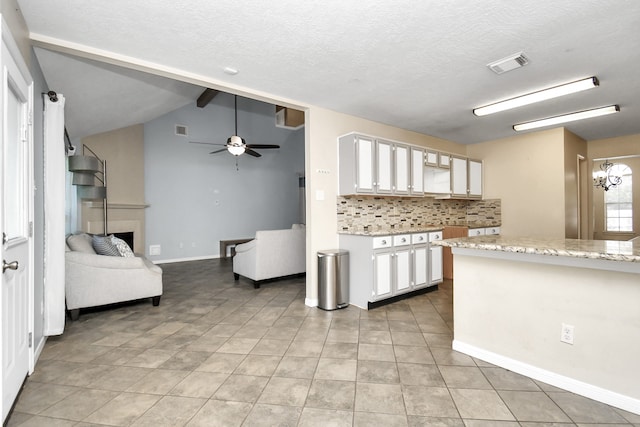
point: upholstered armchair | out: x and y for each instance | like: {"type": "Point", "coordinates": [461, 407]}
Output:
{"type": "Point", "coordinates": [272, 254]}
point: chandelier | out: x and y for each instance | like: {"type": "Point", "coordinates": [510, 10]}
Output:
{"type": "Point", "coordinates": [604, 177]}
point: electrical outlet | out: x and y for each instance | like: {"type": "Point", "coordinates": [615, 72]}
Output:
{"type": "Point", "coordinates": [567, 334]}
{"type": "Point", "coordinates": [154, 249]}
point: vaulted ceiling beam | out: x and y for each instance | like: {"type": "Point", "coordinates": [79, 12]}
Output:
{"type": "Point", "coordinates": [206, 97]}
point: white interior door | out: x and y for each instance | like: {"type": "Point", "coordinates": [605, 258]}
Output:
{"type": "Point", "coordinates": [15, 218]}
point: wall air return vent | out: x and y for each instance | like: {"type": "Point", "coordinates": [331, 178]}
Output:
{"type": "Point", "coordinates": [509, 63]}
{"type": "Point", "coordinates": [181, 130]}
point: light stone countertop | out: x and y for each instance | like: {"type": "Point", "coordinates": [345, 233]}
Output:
{"type": "Point", "coordinates": [389, 231]}
{"type": "Point", "coordinates": [611, 250]}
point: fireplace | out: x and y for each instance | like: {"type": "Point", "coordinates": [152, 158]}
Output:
{"type": "Point", "coordinates": [127, 236]}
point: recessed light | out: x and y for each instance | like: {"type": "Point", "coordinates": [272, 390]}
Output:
{"type": "Point", "coordinates": [230, 71]}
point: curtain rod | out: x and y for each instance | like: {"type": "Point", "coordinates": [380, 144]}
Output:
{"type": "Point", "coordinates": [53, 96]}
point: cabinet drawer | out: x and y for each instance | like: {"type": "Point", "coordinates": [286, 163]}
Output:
{"type": "Point", "coordinates": [419, 238]}
{"type": "Point", "coordinates": [401, 240]}
{"type": "Point", "coordinates": [476, 232]}
{"type": "Point", "coordinates": [435, 235]}
{"type": "Point", "coordinates": [382, 242]}
{"type": "Point", "coordinates": [492, 231]}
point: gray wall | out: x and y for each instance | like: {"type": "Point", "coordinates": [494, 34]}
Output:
{"type": "Point", "coordinates": [198, 199]}
{"type": "Point", "coordinates": [39, 87]}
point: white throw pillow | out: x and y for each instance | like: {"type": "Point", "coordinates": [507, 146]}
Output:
{"type": "Point", "coordinates": [80, 243]}
{"type": "Point", "coordinates": [123, 247]}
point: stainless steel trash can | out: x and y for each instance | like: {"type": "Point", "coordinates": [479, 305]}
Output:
{"type": "Point", "coordinates": [333, 279]}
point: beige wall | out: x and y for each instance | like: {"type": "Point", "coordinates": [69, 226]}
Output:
{"type": "Point", "coordinates": [574, 148]}
{"type": "Point", "coordinates": [529, 303]}
{"type": "Point", "coordinates": [123, 150]}
{"type": "Point", "coordinates": [15, 21]}
{"type": "Point", "coordinates": [323, 127]}
{"type": "Point", "coordinates": [527, 173]}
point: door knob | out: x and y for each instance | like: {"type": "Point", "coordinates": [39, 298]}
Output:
{"type": "Point", "coordinates": [9, 266]}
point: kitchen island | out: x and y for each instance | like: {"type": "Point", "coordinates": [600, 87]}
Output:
{"type": "Point", "coordinates": [563, 311]}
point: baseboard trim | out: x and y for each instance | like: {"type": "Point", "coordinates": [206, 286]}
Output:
{"type": "Point", "coordinates": [599, 394]}
{"type": "Point", "coordinates": [197, 258]}
{"type": "Point", "coordinates": [311, 302]}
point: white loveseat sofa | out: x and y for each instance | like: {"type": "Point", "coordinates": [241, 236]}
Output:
{"type": "Point", "coordinates": [92, 280]}
{"type": "Point", "coordinates": [272, 254]}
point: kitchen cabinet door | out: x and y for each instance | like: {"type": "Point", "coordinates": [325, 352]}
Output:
{"type": "Point", "coordinates": [401, 169]}
{"type": "Point", "coordinates": [436, 264]}
{"type": "Point", "coordinates": [475, 179]}
{"type": "Point", "coordinates": [458, 177]}
{"type": "Point", "coordinates": [383, 275]}
{"type": "Point", "coordinates": [356, 165]}
{"type": "Point", "coordinates": [420, 267]}
{"type": "Point", "coordinates": [402, 274]}
{"type": "Point", "coordinates": [365, 165]}
{"type": "Point", "coordinates": [417, 172]}
{"type": "Point", "coordinates": [384, 164]}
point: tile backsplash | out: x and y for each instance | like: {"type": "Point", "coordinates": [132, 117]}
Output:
{"type": "Point", "coordinates": [357, 213]}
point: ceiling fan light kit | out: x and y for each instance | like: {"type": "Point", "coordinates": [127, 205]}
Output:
{"type": "Point", "coordinates": [236, 145]}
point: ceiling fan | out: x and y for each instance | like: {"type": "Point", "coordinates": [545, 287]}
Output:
{"type": "Point", "coordinates": [237, 145]}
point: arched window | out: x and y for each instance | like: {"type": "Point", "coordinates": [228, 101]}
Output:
{"type": "Point", "coordinates": [618, 201]}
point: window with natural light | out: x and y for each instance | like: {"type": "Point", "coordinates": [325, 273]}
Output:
{"type": "Point", "coordinates": [618, 201]}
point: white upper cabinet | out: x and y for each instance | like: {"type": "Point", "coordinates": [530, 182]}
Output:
{"type": "Point", "coordinates": [475, 179]}
{"type": "Point", "coordinates": [384, 163]}
{"type": "Point", "coordinates": [417, 171]}
{"type": "Point", "coordinates": [356, 164]}
{"type": "Point", "coordinates": [369, 165]}
{"type": "Point", "coordinates": [401, 166]}
{"type": "Point", "coordinates": [466, 178]}
{"type": "Point", "coordinates": [431, 158]}
{"type": "Point", "coordinates": [458, 176]}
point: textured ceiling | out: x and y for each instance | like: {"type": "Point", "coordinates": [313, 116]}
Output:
{"type": "Point", "coordinates": [416, 65]}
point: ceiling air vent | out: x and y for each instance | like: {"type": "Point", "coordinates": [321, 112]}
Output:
{"type": "Point", "coordinates": [509, 63]}
{"type": "Point", "coordinates": [181, 130]}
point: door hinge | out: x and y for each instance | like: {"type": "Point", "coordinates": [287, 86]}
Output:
{"type": "Point", "coordinates": [30, 339]}
{"type": "Point", "coordinates": [30, 228]}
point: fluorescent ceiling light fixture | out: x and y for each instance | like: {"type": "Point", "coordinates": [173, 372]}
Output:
{"type": "Point", "coordinates": [541, 95]}
{"type": "Point", "coordinates": [587, 114]}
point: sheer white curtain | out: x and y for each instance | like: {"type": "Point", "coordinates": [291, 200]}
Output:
{"type": "Point", "coordinates": [54, 215]}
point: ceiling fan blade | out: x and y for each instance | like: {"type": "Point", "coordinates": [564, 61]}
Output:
{"type": "Point", "coordinates": [263, 146]}
{"type": "Point", "coordinates": [205, 143]}
{"type": "Point", "coordinates": [218, 151]}
{"type": "Point", "coordinates": [250, 152]}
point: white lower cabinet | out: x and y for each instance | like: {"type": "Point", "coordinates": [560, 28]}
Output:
{"type": "Point", "coordinates": [385, 266]}
{"type": "Point", "coordinates": [383, 284]}
{"type": "Point", "coordinates": [435, 259]}
{"type": "Point", "coordinates": [402, 263]}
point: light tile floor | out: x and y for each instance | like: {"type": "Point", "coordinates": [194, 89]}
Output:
{"type": "Point", "coordinates": [220, 353]}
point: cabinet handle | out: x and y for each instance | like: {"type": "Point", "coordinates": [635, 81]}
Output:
{"type": "Point", "coordinates": [421, 238]}
{"type": "Point", "coordinates": [384, 242]}
{"type": "Point", "coordinates": [404, 240]}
